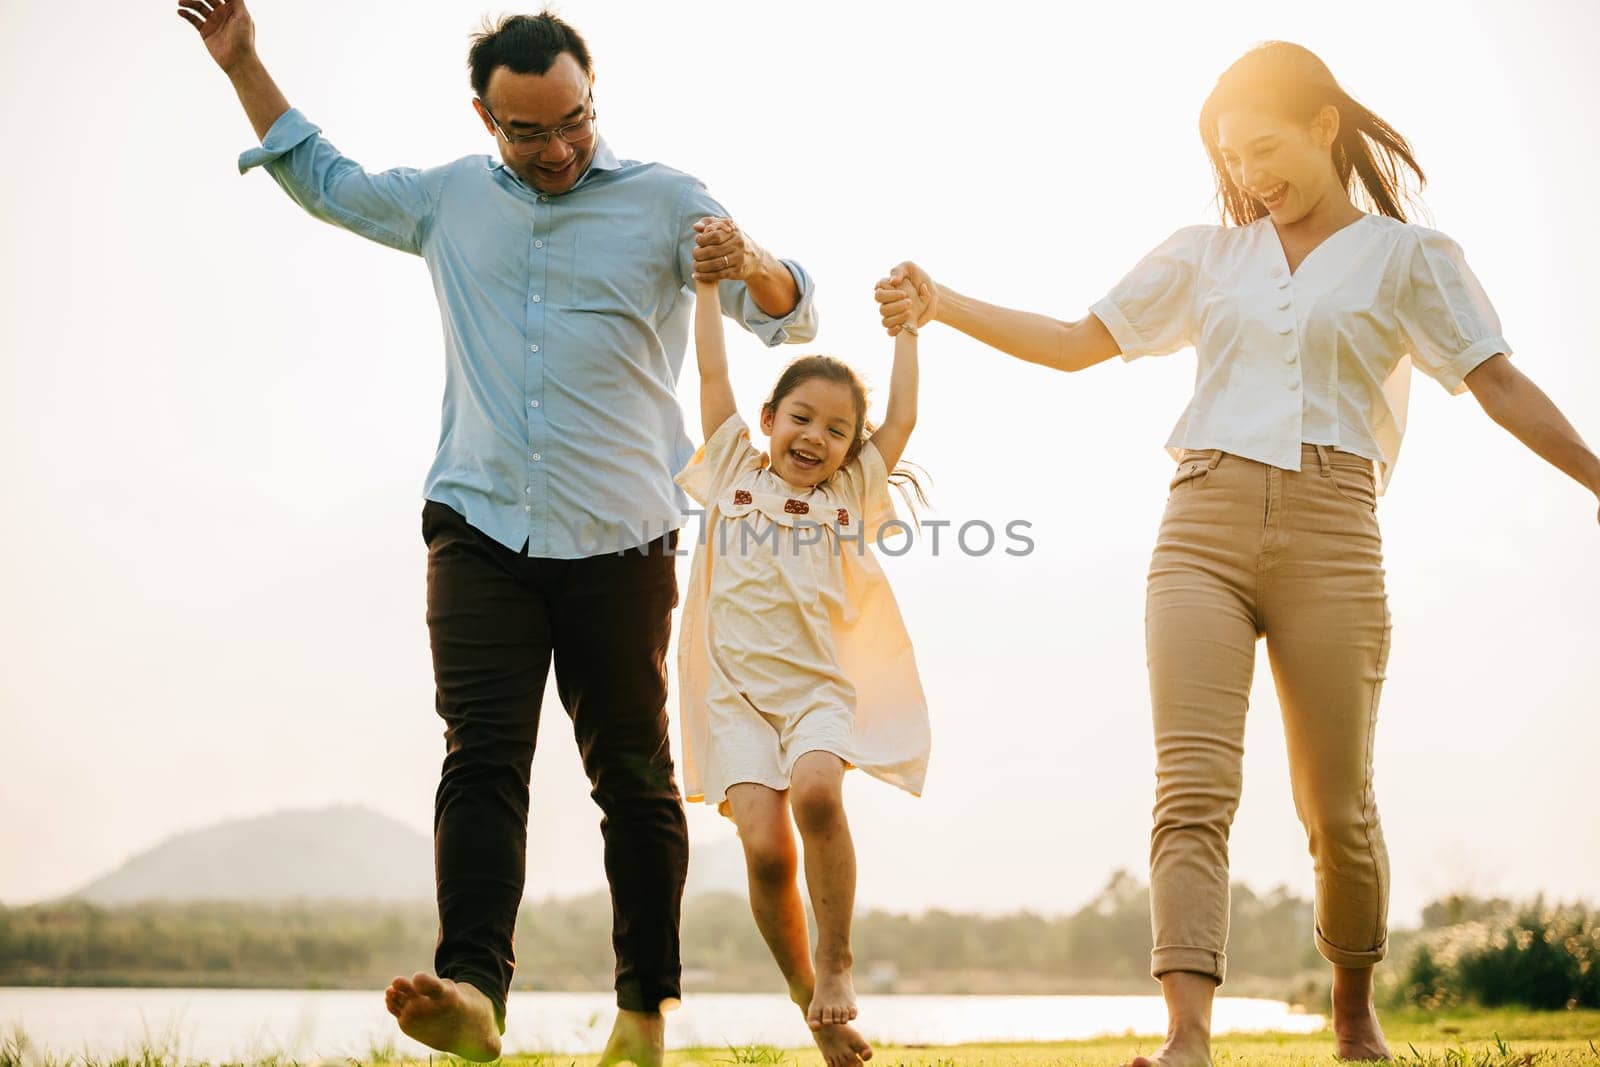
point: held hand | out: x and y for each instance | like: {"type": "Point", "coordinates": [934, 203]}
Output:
{"type": "Point", "coordinates": [900, 305]}
{"type": "Point", "coordinates": [722, 252]}
{"type": "Point", "coordinates": [225, 26]}
{"type": "Point", "coordinates": [917, 301]}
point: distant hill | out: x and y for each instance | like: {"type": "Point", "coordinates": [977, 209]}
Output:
{"type": "Point", "coordinates": [339, 853]}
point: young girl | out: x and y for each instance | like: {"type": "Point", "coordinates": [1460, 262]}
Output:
{"type": "Point", "coordinates": [793, 659]}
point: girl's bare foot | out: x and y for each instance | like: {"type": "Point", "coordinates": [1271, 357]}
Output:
{"type": "Point", "coordinates": [834, 1001]}
{"type": "Point", "coordinates": [842, 1046]}
{"type": "Point", "coordinates": [453, 1017]}
{"type": "Point", "coordinates": [639, 1038]}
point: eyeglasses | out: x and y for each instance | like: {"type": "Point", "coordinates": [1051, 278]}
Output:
{"type": "Point", "coordinates": [572, 133]}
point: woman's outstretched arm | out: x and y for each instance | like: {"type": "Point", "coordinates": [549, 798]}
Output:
{"type": "Point", "coordinates": [1066, 346]}
{"type": "Point", "coordinates": [1512, 399]}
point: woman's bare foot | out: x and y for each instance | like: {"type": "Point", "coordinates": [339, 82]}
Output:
{"type": "Point", "coordinates": [454, 1017]}
{"type": "Point", "coordinates": [639, 1038]}
{"type": "Point", "coordinates": [833, 1003]}
{"type": "Point", "coordinates": [1355, 1018]}
{"type": "Point", "coordinates": [1182, 1049]}
{"type": "Point", "coordinates": [1356, 1029]}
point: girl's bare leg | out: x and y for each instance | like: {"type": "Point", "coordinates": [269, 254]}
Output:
{"type": "Point", "coordinates": [772, 866]}
{"type": "Point", "coordinates": [816, 794]}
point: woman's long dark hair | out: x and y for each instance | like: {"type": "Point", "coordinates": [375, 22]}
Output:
{"type": "Point", "coordinates": [805, 368]}
{"type": "Point", "coordinates": [1368, 153]}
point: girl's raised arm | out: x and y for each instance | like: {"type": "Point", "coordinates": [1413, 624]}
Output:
{"type": "Point", "coordinates": [716, 391]}
{"type": "Point", "coordinates": [1066, 346]}
{"type": "Point", "coordinates": [891, 436]}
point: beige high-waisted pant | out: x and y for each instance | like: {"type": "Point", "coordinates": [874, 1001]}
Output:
{"type": "Point", "coordinates": [1247, 550]}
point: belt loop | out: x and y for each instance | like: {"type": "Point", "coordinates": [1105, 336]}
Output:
{"type": "Point", "coordinates": [1216, 457]}
{"type": "Point", "coordinates": [1327, 464]}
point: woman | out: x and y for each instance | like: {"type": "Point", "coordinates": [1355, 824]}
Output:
{"type": "Point", "coordinates": [1306, 313]}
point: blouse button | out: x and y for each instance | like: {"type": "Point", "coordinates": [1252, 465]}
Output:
{"type": "Point", "coordinates": [1283, 305]}
{"type": "Point", "coordinates": [1286, 328]}
{"type": "Point", "coordinates": [1294, 385]}
{"type": "Point", "coordinates": [1290, 357]}
{"type": "Point", "coordinates": [1277, 272]}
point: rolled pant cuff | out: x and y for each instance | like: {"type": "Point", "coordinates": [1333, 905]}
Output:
{"type": "Point", "coordinates": [1345, 957]}
{"type": "Point", "coordinates": [489, 987]}
{"type": "Point", "coordinates": [1169, 958]}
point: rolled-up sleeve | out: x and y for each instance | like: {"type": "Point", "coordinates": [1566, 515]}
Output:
{"type": "Point", "coordinates": [1449, 324]}
{"type": "Point", "coordinates": [799, 325]}
{"type": "Point", "coordinates": [1151, 311]}
{"type": "Point", "coordinates": [392, 207]}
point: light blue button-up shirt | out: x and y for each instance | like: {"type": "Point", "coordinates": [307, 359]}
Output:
{"type": "Point", "coordinates": [565, 321]}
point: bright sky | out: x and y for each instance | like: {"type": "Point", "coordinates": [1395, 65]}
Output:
{"type": "Point", "coordinates": [220, 412]}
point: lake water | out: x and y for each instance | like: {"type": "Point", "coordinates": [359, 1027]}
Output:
{"type": "Point", "coordinates": [216, 1024]}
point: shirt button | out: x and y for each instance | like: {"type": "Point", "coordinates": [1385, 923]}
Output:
{"type": "Point", "coordinates": [528, 508]}
{"type": "Point", "coordinates": [533, 348]}
{"type": "Point", "coordinates": [1276, 272]}
{"type": "Point", "coordinates": [1283, 305]}
{"type": "Point", "coordinates": [544, 199]}
{"type": "Point", "coordinates": [1286, 328]}
{"type": "Point", "coordinates": [536, 457]}
{"type": "Point", "coordinates": [1290, 357]}
{"type": "Point", "coordinates": [537, 298]}
{"type": "Point", "coordinates": [1294, 385]}
{"type": "Point", "coordinates": [538, 244]}
{"type": "Point", "coordinates": [533, 403]}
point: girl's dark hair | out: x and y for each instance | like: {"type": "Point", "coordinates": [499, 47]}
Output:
{"type": "Point", "coordinates": [804, 369]}
{"type": "Point", "coordinates": [1292, 81]}
{"type": "Point", "coordinates": [527, 44]}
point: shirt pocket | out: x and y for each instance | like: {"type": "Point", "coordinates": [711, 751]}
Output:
{"type": "Point", "coordinates": [612, 274]}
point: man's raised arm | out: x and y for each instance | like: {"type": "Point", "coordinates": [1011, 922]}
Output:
{"type": "Point", "coordinates": [229, 34]}
{"type": "Point", "coordinates": [393, 207]}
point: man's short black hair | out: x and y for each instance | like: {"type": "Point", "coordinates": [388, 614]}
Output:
{"type": "Point", "coordinates": [527, 44]}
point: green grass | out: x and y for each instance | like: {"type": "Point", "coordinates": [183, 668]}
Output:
{"type": "Point", "coordinates": [1468, 1039]}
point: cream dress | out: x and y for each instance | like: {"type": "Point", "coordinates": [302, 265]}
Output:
{"type": "Point", "coordinates": [791, 640]}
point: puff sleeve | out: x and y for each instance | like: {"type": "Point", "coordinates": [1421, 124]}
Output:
{"type": "Point", "coordinates": [725, 456]}
{"type": "Point", "coordinates": [1448, 323]}
{"type": "Point", "coordinates": [1151, 311]}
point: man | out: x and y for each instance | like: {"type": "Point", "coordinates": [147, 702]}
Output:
{"type": "Point", "coordinates": [564, 280]}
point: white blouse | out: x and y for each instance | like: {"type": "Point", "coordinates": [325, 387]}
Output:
{"type": "Point", "coordinates": [1321, 356]}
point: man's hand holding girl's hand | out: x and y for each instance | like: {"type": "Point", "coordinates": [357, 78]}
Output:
{"type": "Point", "coordinates": [907, 297]}
{"type": "Point", "coordinates": [722, 252]}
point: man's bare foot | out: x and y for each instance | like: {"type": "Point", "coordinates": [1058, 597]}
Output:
{"type": "Point", "coordinates": [454, 1017]}
{"type": "Point", "coordinates": [1358, 1034]}
{"type": "Point", "coordinates": [833, 1003]}
{"type": "Point", "coordinates": [639, 1038]}
{"type": "Point", "coordinates": [1180, 1050]}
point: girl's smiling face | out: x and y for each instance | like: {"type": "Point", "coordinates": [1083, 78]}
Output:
{"type": "Point", "coordinates": [811, 431]}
